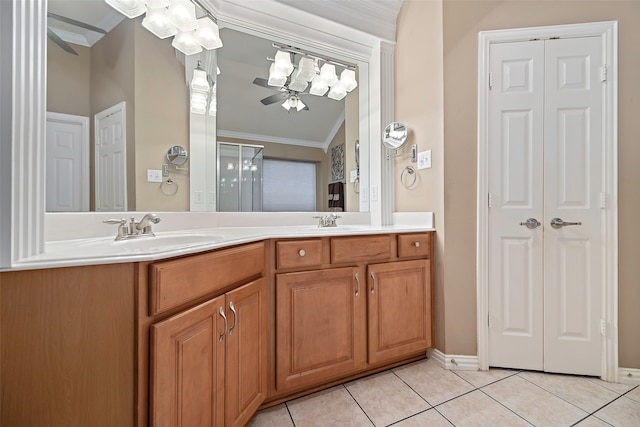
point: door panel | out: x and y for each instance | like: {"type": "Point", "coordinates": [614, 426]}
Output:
{"type": "Point", "coordinates": [110, 159]}
{"type": "Point", "coordinates": [573, 182]}
{"type": "Point", "coordinates": [515, 184]}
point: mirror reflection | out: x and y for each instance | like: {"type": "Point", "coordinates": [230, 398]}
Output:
{"type": "Point", "coordinates": [123, 102]}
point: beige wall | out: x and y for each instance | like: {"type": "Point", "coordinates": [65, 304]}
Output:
{"type": "Point", "coordinates": [351, 132]}
{"type": "Point", "coordinates": [462, 20]}
{"type": "Point", "coordinates": [69, 77]}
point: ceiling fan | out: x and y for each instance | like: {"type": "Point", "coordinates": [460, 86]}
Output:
{"type": "Point", "coordinates": [57, 40]}
{"type": "Point", "coordinates": [290, 98]}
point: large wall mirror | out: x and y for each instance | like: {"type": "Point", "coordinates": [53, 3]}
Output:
{"type": "Point", "coordinates": [130, 88]}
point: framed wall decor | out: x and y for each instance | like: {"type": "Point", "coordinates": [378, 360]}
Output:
{"type": "Point", "coordinates": [337, 163]}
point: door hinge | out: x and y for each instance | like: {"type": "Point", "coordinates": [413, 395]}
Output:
{"type": "Point", "coordinates": [490, 80]}
{"type": "Point", "coordinates": [603, 73]}
{"type": "Point", "coordinates": [489, 320]}
{"type": "Point", "coordinates": [489, 200]}
{"type": "Point", "coordinates": [603, 200]}
{"type": "Point", "coordinates": [603, 327]}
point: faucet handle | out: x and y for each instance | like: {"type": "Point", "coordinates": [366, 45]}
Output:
{"type": "Point", "coordinates": [122, 227]}
{"type": "Point", "coordinates": [115, 221]}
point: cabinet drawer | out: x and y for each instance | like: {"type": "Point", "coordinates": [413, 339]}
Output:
{"type": "Point", "coordinates": [364, 248]}
{"type": "Point", "coordinates": [299, 253]}
{"type": "Point", "coordinates": [412, 245]}
{"type": "Point", "coordinates": [179, 281]}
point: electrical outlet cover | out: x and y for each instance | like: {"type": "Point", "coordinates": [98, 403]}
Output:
{"type": "Point", "coordinates": [424, 159]}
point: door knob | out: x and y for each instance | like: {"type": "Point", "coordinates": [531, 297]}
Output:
{"type": "Point", "coordinates": [531, 223]}
{"type": "Point", "coordinates": [559, 223]}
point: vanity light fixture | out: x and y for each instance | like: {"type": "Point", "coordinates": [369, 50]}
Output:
{"type": "Point", "coordinates": [213, 102]}
{"type": "Point", "coordinates": [348, 79]}
{"type": "Point", "coordinates": [166, 18]}
{"type": "Point", "coordinates": [199, 80]}
{"type": "Point", "coordinates": [337, 92]}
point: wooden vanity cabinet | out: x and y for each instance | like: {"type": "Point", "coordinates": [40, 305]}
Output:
{"type": "Point", "coordinates": [208, 363]}
{"type": "Point", "coordinates": [363, 304]}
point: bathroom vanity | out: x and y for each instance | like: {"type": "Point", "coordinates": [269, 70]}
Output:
{"type": "Point", "coordinates": [214, 332]}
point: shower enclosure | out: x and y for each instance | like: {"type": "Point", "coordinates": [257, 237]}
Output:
{"type": "Point", "coordinates": [239, 177]}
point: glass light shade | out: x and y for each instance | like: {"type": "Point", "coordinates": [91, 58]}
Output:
{"type": "Point", "coordinates": [348, 80]}
{"type": "Point", "coordinates": [129, 8]}
{"type": "Point", "coordinates": [298, 83]}
{"type": "Point", "coordinates": [156, 21]}
{"type": "Point", "coordinates": [198, 102]}
{"type": "Point", "coordinates": [218, 71]}
{"type": "Point", "coordinates": [300, 105]}
{"type": "Point", "coordinates": [154, 4]}
{"type": "Point", "coordinates": [199, 81]}
{"type": "Point", "coordinates": [337, 92]}
{"type": "Point", "coordinates": [182, 14]}
{"type": "Point", "coordinates": [213, 102]}
{"type": "Point", "coordinates": [276, 77]}
{"type": "Point", "coordinates": [208, 34]}
{"type": "Point", "coordinates": [328, 74]}
{"type": "Point", "coordinates": [185, 43]}
{"type": "Point", "coordinates": [306, 69]}
{"type": "Point", "coordinates": [286, 105]}
{"type": "Point", "coordinates": [318, 87]}
{"type": "Point", "coordinates": [283, 62]}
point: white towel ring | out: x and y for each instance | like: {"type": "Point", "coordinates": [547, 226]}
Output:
{"type": "Point", "coordinates": [168, 181]}
{"type": "Point", "coordinates": [410, 170]}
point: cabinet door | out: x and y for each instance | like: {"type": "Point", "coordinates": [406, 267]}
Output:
{"type": "Point", "coordinates": [246, 371]}
{"type": "Point", "coordinates": [187, 368]}
{"type": "Point", "coordinates": [399, 309]}
{"type": "Point", "coordinates": [320, 321]}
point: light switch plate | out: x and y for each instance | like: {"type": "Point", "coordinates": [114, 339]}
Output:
{"type": "Point", "coordinates": [154, 175]}
{"type": "Point", "coordinates": [424, 159]}
{"type": "Point", "coordinates": [353, 175]}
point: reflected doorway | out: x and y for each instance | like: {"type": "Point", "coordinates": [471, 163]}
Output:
{"type": "Point", "coordinates": [240, 168]}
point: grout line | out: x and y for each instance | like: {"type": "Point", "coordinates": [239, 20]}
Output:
{"type": "Point", "coordinates": [361, 408]}
{"type": "Point", "coordinates": [505, 406]}
{"type": "Point", "coordinates": [415, 415]}
{"type": "Point", "coordinates": [289, 412]}
{"type": "Point", "coordinates": [511, 374]}
{"type": "Point", "coordinates": [412, 389]}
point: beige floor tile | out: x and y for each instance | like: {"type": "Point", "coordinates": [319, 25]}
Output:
{"type": "Point", "coordinates": [276, 416]}
{"type": "Point", "coordinates": [624, 412]}
{"type": "Point", "coordinates": [580, 391]}
{"type": "Point", "coordinates": [483, 378]}
{"type": "Point", "coordinates": [617, 387]}
{"type": "Point", "coordinates": [634, 394]}
{"type": "Point", "coordinates": [534, 404]}
{"type": "Point", "coordinates": [592, 422]}
{"type": "Point", "coordinates": [434, 384]}
{"type": "Point", "coordinates": [477, 409]}
{"type": "Point", "coordinates": [332, 407]}
{"type": "Point", "coordinates": [429, 418]}
{"type": "Point", "coordinates": [385, 398]}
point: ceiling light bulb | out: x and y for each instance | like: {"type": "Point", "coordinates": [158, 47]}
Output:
{"type": "Point", "coordinates": [328, 74]}
{"type": "Point", "coordinates": [129, 8]}
{"type": "Point", "coordinates": [185, 43]}
{"type": "Point", "coordinates": [156, 21]}
{"type": "Point", "coordinates": [348, 79]}
{"type": "Point", "coordinates": [208, 34]}
{"type": "Point", "coordinates": [283, 62]}
{"type": "Point", "coordinates": [182, 14]}
{"type": "Point", "coordinates": [293, 101]}
{"type": "Point", "coordinates": [199, 81]}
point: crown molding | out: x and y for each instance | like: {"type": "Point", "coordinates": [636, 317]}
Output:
{"type": "Point", "coordinates": [268, 138]}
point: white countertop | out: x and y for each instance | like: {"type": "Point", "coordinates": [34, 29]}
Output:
{"type": "Point", "coordinates": [104, 250]}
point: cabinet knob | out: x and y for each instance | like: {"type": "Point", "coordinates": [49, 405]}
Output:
{"type": "Point", "coordinates": [301, 252]}
{"type": "Point", "coordinates": [416, 244]}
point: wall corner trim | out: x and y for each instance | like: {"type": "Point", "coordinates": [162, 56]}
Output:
{"type": "Point", "coordinates": [454, 362]}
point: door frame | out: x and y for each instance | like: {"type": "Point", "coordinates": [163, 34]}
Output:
{"type": "Point", "coordinates": [121, 106]}
{"type": "Point", "coordinates": [83, 122]}
{"type": "Point", "coordinates": [608, 33]}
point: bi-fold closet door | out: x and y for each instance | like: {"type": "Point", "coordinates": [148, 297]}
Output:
{"type": "Point", "coordinates": [546, 200]}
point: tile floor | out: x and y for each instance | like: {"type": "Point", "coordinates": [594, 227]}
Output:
{"type": "Point", "coordinates": [424, 394]}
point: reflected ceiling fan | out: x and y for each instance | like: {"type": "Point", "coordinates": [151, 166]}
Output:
{"type": "Point", "coordinates": [289, 98]}
{"type": "Point", "coordinates": [63, 44]}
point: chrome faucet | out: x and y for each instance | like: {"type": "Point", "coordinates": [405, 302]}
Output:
{"type": "Point", "coordinates": [134, 229]}
{"type": "Point", "coordinates": [327, 220]}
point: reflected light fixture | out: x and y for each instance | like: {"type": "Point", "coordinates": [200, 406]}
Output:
{"type": "Point", "coordinates": [293, 102]}
{"type": "Point", "coordinates": [208, 34]}
{"type": "Point", "coordinates": [199, 82]}
{"type": "Point", "coordinates": [182, 14]}
{"type": "Point", "coordinates": [157, 22]}
{"type": "Point", "coordinates": [129, 8]}
{"type": "Point", "coordinates": [185, 43]}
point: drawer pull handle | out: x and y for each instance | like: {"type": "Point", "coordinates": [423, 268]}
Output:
{"type": "Point", "coordinates": [416, 244]}
{"type": "Point", "coordinates": [301, 252]}
{"type": "Point", "coordinates": [224, 331]}
{"type": "Point", "coordinates": [358, 282]}
{"type": "Point", "coordinates": [373, 286]}
{"type": "Point", "coordinates": [235, 317]}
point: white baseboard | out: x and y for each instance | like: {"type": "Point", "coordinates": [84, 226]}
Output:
{"type": "Point", "coordinates": [629, 376]}
{"type": "Point", "coordinates": [454, 362]}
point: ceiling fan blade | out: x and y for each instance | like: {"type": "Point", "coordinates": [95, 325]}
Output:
{"type": "Point", "coordinates": [76, 23]}
{"type": "Point", "coordinates": [262, 82]}
{"type": "Point", "coordinates": [272, 99]}
{"type": "Point", "coordinates": [63, 44]}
